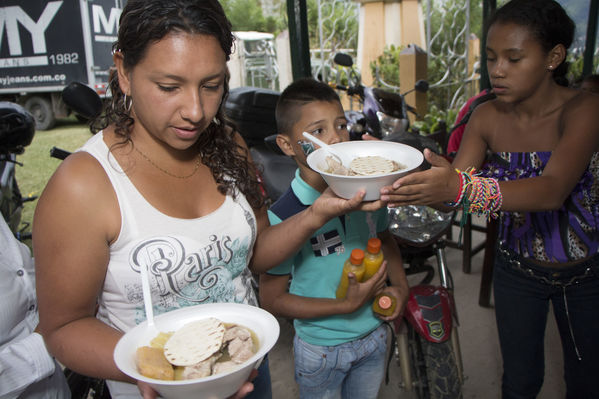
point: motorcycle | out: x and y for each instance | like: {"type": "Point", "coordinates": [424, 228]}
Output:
{"type": "Point", "coordinates": [17, 128]}
{"type": "Point", "coordinates": [384, 114]}
{"type": "Point", "coordinates": [427, 342]}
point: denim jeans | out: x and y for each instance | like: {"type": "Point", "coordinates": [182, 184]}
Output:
{"type": "Point", "coordinates": [262, 384]}
{"type": "Point", "coordinates": [522, 294]}
{"type": "Point", "coordinates": [351, 370]}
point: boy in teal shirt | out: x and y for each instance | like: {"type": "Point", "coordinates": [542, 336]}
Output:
{"type": "Point", "coordinates": [340, 344]}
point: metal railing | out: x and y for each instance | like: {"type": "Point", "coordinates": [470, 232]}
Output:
{"type": "Point", "coordinates": [337, 32]}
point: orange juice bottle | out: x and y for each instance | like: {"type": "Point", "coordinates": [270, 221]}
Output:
{"type": "Point", "coordinates": [384, 304]}
{"type": "Point", "coordinates": [373, 258]}
{"type": "Point", "coordinates": [353, 265]}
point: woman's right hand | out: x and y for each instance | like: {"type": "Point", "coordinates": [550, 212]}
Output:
{"type": "Point", "coordinates": [359, 293]}
{"type": "Point", "coordinates": [438, 184]}
{"type": "Point", "coordinates": [146, 390]}
{"type": "Point", "coordinates": [246, 388]}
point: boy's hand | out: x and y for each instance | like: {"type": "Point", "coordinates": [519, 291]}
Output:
{"type": "Point", "coordinates": [359, 293]}
{"type": "Point", "coordinates": [401, 299]}
{"type": "Point", "coordinates": [329, 205]}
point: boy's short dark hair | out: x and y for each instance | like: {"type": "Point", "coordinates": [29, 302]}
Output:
{"type": "Point", "coordinates": [297, 94]}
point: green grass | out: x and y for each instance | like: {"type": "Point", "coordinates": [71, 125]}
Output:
{"type": "Point", "coordinates": [38, 165]}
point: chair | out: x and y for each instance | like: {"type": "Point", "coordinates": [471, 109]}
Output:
{"type": "Point", "coordinates": [484, 295]}
{"type": "Point", "coordinates": [468, 250]}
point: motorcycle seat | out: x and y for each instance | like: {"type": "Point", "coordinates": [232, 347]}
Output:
{"type": "Point", "coordinates": [277, 170]}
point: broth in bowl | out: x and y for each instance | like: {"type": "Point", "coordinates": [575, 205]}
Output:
{"type": "Point", "coordinates": [404, 158]}
{"type": "Point", "coordinates": [361, 166]}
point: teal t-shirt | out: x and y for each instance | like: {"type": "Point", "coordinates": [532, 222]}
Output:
{"type": "Point", "coordinates": [316, 269]}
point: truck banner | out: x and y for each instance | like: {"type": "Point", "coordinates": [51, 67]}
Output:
{"type": "Point", "coordinates": [44, 44]}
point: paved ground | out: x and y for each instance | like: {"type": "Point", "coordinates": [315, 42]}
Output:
{"type": "Point", "coordinates": [478, 338]}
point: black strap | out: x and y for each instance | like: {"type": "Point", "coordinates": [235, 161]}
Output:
{"type": "Point", "coordinates": [82, 386]}
{"type": "Point", "coordinates": [391, 351]}
{"type": "Point", "coordinates": [485, 97]}
{"type": "Point", "coordinates": [289, 204]}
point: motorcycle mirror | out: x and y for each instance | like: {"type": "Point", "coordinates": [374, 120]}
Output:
{"type": "Point", "coordinates": [82, 99]}
{"type": "Point", "coordinates": [343, 59]}
{"type": "Point", "coordinates": [421, 86]}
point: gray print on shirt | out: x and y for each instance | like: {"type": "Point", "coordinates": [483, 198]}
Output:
{"type": "Point", "coordinates": [189, 276]}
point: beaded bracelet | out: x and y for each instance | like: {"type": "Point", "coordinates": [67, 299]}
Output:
{"type": "Point", "coordinates": [480, 195]}
{"type": "Point", "coordinates": [485, 197]}
{"type": "Point", "coordinates": [465, 180]}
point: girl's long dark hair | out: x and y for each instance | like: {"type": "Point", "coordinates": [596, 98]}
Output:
{"type": "Point", "coordinates": [144, 22]}
{"type": "Point", "coordinates": [546, 20]}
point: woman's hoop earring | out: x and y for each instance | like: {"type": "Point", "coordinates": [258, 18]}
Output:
{"type": "Point", "coordinates": [127, 107]}
{"type": "Point", "coordinates": [215, 121]}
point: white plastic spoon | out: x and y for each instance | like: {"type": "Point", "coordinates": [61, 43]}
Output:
{"type": "Point", "coordinates": [340, 157]}
{"type": "Point", "coordinates": [147, 294]}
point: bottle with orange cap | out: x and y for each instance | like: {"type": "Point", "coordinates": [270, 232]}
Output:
{"type": "Point", "coordinates": [373, 258]}
{"type": "Point", "coordinates": [355, 265]}
{"type": "Point", "coordinates": [384, 304]}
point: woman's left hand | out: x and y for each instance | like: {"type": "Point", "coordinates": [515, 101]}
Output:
{"type": "Point", "coordinates": [438, 184]}
{"type": "Point", "coordinates": [329, 205]}
{"type": "Point", "coordinates": [148, 393]}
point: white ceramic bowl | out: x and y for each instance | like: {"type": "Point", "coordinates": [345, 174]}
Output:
{"type": "Point", "coordinates": [348, 186]}
{"type": "Point", "coordinates": [218, 386]}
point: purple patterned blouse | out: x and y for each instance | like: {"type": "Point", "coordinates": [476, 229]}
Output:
{"type": "Point", "coordinates": [564, 235]}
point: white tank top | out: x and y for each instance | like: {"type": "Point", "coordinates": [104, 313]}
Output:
{"type": "Point", "coordinates": [189, 261]}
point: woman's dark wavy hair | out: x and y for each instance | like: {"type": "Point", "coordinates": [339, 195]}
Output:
{"type": "Point", "coordinates": [546, 20]}
{"type": "Point", "coordinates": [144, 22]}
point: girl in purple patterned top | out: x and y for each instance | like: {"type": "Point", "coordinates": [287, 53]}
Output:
{"type": "Point", "coordinates": [544, 175]}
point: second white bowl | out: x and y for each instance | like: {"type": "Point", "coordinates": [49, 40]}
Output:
{"type": "Point", "coordinates": [218, 386]}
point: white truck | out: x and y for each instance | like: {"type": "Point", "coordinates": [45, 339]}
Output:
{"type": "Point", "coordinates": [45, 45]}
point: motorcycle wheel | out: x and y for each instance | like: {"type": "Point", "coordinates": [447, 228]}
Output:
{"type": "Point", "coordinates": [434, 368]}
{"type": "Point", "coordinates": [41, 109]}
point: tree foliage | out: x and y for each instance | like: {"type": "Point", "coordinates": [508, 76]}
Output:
{"type": "Point", "coordinates": [386, 67]}
{"type": "Point", "coordinates": [338, 29]}
{"type": "Point", "coordinates": [445, 62]}
{"type": "Point", "coordinates": [247, 15]}
{"type": "Point", "coordinates": [446, 65]}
